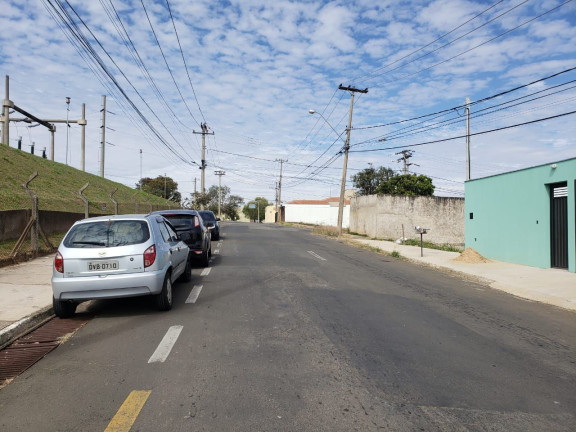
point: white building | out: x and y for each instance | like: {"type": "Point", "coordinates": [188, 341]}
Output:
{"type": "Point", "coordinates": [317, 212]}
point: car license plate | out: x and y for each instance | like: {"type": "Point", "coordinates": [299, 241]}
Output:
{"type": "Point", "coordinates": [102, 265]}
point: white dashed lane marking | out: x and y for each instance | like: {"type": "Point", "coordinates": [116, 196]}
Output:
{"type": "Point", "coordinates": [168, 341]}
{"type": "Point", "coordinates": [315, 255]}
{"type": "Point", "coordinates": [206, 271]}
{"type": "Point", "coordinates": [194, 294]}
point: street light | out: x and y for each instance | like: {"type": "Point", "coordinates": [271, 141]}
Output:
{"type": "Point", "coordinates": [345, 163]}
{"type": "Point", "coordinates": [311, 111]}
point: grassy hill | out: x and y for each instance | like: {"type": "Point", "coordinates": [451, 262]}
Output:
{"type": "Point", "coordinates": [57, 187]}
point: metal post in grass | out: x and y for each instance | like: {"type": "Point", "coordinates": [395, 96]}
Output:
{"type": "Point", "coordinates": [86, 203]}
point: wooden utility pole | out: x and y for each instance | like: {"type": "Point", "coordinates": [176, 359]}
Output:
{"type": "Point", "coordinates": [279, 195]}
{"type": "Point", "coordinates": [352, 90]}
{"type": "Point", "coordinates": [204, 132]}
{"type": "Point", "coordinates": [219, 174]}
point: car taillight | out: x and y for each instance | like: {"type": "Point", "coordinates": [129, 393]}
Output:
{"type": "Point", "coordinates": [59, 263]}
{"type": "Point", "coordinates": [149, 256]}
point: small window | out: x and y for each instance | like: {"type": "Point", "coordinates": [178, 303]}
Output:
{"type": "Point", "coordinates": [471, 215]}
{"type": "Point", "coordinates": [164, 231]}
{"type": "Point", "coordinates": [172, 233]}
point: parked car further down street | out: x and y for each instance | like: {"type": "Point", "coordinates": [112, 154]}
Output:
{"type": "Point", "coordinates": [211, 222]}
{"type": "Point", "coordinates": [191, 229]}
{"type": "Point", "coordinates": [118, 256]}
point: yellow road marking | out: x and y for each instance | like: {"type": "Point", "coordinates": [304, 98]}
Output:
{"type": "Point", "coordinates": [128, 412]}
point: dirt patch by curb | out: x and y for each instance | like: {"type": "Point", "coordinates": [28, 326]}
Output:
{"type": "Point", "coordinates": [471, 256]}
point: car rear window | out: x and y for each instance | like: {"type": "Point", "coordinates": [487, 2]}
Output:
{"type": "Point", "coordinates": [208, 216]}
{"type": "Point", "coordinates": [181, 221]}
{"type": "Point", "coordinates": [107, 234]}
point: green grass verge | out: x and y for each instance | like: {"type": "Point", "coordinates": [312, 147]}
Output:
{"type": "Point", "coordinates": [57, 187]}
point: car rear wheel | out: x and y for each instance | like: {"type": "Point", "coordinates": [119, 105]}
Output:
{"type": "Point", "coordinates": [204, 259]}
{"type": "Point", "coordinates": [187, 275]}
{"type": "Point", "coordinates": [63, 309]}
{"type": "Point", "coordinates": [164, 299]}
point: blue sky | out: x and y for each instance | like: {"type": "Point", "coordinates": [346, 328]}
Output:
{"type": "Point", "coordinates": [252, 69]}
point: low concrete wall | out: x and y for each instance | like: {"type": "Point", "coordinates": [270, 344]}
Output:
{"type": "Point", "coordinates": [13, 222]}
{"type": "Point", "coordinates": [382, 216]}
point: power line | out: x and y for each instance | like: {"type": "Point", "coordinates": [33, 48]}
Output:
{"type": "Point", "coordinates": [442, 37]}
{"type": "Point", "coordinates": [184, 60]}
{"type": "Point", "coordinates": [166, 61]}
{"type": "Point", "coordinates": [487, 98]}
{"type": "Point", "coordinates": [84, 45]}
{"type": "Point", "coordinates": [472, 134]}
{"type": "Point", "coordinates": [481, 44]}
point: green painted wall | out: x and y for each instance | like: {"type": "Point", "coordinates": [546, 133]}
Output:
{"type": "Point", "coordinates": [511, 214]}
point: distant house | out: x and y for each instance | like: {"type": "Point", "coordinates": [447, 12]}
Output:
{"type": "Point", "coordinates": [317, 212]}
{"type": "Point", "coordinates": [526, 216]}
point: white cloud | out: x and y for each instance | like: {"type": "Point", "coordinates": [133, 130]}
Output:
{"type": "Point", "coordinates": [257, 67]}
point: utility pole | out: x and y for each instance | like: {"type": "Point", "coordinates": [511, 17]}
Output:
{"type": "Point", "coordinates": [352, 90]}
{"type": "Point", "coordinates": [219, 174]}
{"type": "Point", "coordinates": [103, 143]}
{"type": "Point", "coordinates": [467, 138]}
{"type": "Point", "coordinates": [6, 105]}
{"type": "Point", "coordinates": [279, 196]}
{"type": "Point", "coordinates": [204, 132]}
{"type": "Point", "coordinates": [140, 182]}
{"type": "Point", "coordinates": [67, 126]}
{"type": "Point", "coordinates": [406, 155]}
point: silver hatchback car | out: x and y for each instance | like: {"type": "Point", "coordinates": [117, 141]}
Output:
{"type": "Point", "coordinates": [118, 256]}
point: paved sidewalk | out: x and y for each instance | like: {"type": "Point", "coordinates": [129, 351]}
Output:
{"type": "Point", "coordinates": [553, 286]}
{"type": "Point", "coordinates": [25, 297]}
{"type": "Point", "coordinates": [26, 292]}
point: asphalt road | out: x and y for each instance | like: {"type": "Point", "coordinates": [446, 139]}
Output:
{"type": "Point", "coordinates": [288, 331]}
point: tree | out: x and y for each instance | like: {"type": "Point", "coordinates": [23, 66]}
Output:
{"type": "Point", "coordinates": [161, 186]}
{"type": "Point", "coordinates": [259, 203]}
{"type": "Point", "coordinates": [408, 185]}
{"type": "Point", "coordinates": [231, 206]}
{"type": "Point", "coordinates": [209, 200]}
{"type": "Point", "coordinates": [368, 180]}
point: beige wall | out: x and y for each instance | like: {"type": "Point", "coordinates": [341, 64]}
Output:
{"type": "Point", "coordinates": [382, 216]}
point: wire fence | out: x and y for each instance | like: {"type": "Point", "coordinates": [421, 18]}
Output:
{"type": "Point", "coordinates": [32, 226]}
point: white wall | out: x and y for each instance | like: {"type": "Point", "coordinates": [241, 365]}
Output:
{"type": "Point", "coordinates": [317, 214]}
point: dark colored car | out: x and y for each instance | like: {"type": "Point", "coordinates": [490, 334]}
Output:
{"type": "Point", "coordinates": [211, 222]}
{"type": "Point", "coordinates": [192, 230]}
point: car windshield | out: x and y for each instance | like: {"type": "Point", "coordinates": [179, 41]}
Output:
{"type": "Point", "coordinates": [107, 234]}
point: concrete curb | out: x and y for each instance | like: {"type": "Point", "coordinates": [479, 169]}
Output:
{"type": "Point", "coordinates": [25, 325]}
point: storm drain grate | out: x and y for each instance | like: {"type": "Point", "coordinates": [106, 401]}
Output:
{"type": "Point", "coordinates": [28, 349]}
